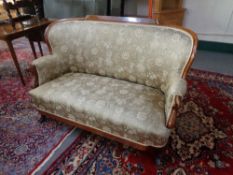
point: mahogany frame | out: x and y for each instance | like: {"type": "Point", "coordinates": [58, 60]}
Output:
{"type": "Point", "coordinates": [177, 99]}
{"type": "Point", "coordinates": [97, 131]}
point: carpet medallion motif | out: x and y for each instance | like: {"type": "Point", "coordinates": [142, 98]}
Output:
{"type": "Point", "coordinates": [194, 131]}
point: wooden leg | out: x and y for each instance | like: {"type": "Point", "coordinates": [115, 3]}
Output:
{"type": "Point", "coordinates": [33, 48]}
{"type": "Point", "coordinates": [41, 51]}
{"type": "Point", "coordinates": [109, 6]}
{"type": "Point", "coordinates": [14, 57]}
{"type": "Point", "coordinates": [42, 119]}
{"type": "Point", "coordinates": [122, 8]}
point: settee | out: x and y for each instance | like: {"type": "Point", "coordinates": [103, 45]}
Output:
{"type": "Point", "coordinates": [119, 80]}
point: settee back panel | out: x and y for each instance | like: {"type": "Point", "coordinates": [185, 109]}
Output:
{"type": "Point", "coordinates": [145, 54]}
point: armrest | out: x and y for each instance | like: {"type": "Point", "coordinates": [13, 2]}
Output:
{"type": "Point", "coordinates": [49, 67]}
{"type": "Point", "coordinates": [176, 89]}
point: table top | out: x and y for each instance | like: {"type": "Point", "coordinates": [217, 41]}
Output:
{"type": "Point", "coordinates": [7, 32]}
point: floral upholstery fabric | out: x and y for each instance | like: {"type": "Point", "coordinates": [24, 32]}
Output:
{"type": "Point", "coordinates": [145, 54]}
{"type": "Point", "coordinates": [50, 67]}
{"type": "Point", "coordinates": [119, 107]}
{"type": "Point", "coordinates": [152, 57]}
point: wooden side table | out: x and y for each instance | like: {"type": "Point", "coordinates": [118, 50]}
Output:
{"type": "Point", "coordinates": [166, 12]}
{"type": "Point", "coordinates": [8, 34]}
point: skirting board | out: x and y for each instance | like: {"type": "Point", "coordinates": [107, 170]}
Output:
{"type": "Point", "coordinates": [215, 46]}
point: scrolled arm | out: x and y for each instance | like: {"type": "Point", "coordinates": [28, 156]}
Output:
{"type": "Point", "coordinates": [176, 89]}
{"type": "Point", "coordinates": [49, 67]}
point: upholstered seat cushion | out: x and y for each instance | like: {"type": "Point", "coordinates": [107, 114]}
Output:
{"type": "Point", "coordinates": [119, 107]}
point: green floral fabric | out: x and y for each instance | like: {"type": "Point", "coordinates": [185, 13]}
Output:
{"type": "Point", "coordinates": [146, 55]}
{"type": "Point", "coordinates": [122, 108]}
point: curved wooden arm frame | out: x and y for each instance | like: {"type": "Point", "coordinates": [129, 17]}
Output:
{"type": "Point", "coordinates": [172, 118]}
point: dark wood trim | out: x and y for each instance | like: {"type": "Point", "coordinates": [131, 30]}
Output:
{"type": "Point", "coordinates": [99, 132]}
{"type": "Point", "coordinates": [14, 57]}
{"type": "Point", "coordinates": [32, 47]}
{"type": "Point", "coordinates": [40, 48]}
{"type": "Point", "coordinates": [122, 12]}
{"type": "Point", "coordinates": [109, 6]}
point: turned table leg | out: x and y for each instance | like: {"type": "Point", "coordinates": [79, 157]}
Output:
{"type": "Point", "coordinates": [122, 8]}
{"type": "Point", "coordinates": [14, 57]}
{"type": "Point", "coordinates": [32, 47]}
{"type": "Point", "coordinates": [40, 48]}
{"type": "Point", "coordinates": [109, 6]}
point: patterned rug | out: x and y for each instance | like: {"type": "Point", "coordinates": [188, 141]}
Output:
{"type": "Point", "coordinates": [24, 141]}
{"type": "Point", "coordinates": [201, 144]}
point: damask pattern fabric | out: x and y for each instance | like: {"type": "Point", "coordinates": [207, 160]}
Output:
{"type": "Point", "coordinates": [50, 67]}
{"type": "Point", "coordinates": [119, 107]}
{"type": "Point", "coordinates": [144, 56]}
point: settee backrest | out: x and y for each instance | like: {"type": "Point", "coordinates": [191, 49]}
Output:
{"type": "Point", "coordinates": [145, 54]}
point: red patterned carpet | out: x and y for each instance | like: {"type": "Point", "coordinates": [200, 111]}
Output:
{"type": "Point", "coordinates": [24, 142]}
{"type": "Point", "coordinates": [201, 144]}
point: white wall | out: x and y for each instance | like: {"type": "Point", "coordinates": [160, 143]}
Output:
{"type": "Point", "coordinates": [136, 7]}
{"type": "Point", "coordinates": [212, 20]}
